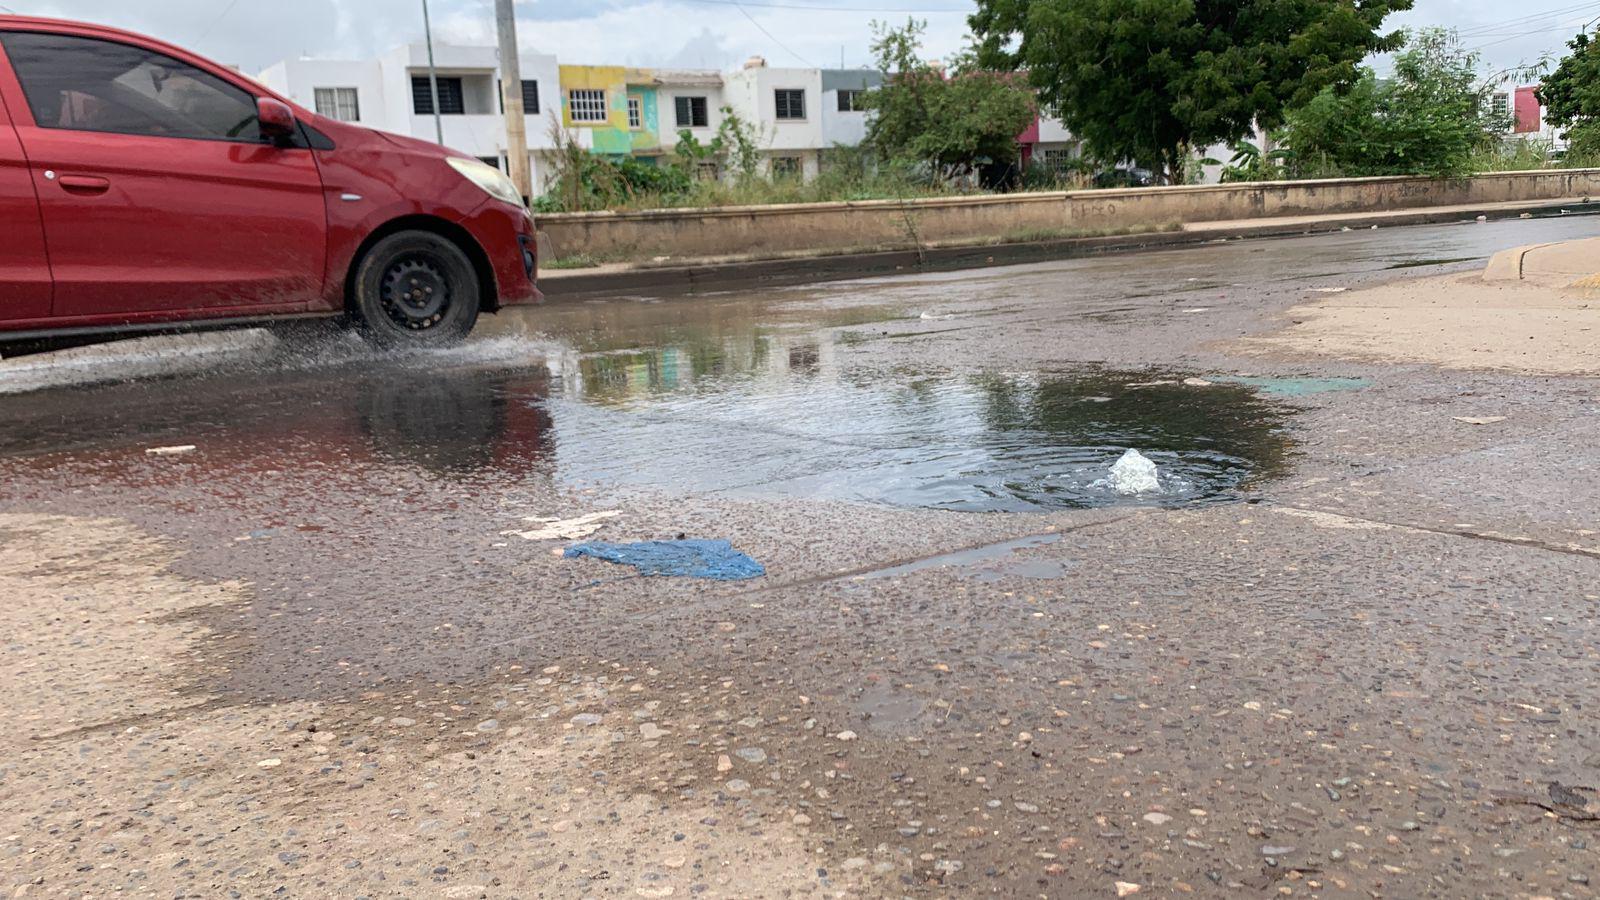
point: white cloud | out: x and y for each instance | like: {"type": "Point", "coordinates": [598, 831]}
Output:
{"type": "Point", "coordinates": [255, 33]}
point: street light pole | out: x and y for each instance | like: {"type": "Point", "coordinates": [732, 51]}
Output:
{"type": "Point", "coordinates": [505, 20]}
{"type": "Point", "coordinates": [433, 77]}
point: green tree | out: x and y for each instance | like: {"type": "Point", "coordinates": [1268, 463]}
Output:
{"type": "Point", "coordinates": [734, 146]}
{"type": "Point", "coordinates": [1248, 163]}
{"type": "Point", "coordinates": [1571, 97]}
{"type": "Point", "coordinates": [1430, 118]}
{"type": "Point", "coordinates": [1146, 79]}
{"type": "Point", "coordinates": [955, 119]}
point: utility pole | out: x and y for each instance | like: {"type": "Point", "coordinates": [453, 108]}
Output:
{"type": "Point", "coordinates": [433, 77]}
{"type": "Point", "coordinates": [505, 21]}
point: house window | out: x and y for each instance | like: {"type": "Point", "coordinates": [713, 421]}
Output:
{"type": "Point", "coordinates": [587, 105]}
{"type": "Point", "coordinates": [635, 113]}
{"type": "Point", "coordinates": [691, 112]}
{"type": "Point", "coordinates": [450, 96]}
{"type": "Point", "coordinates": [492, 161]}
{"type": "Point", "coordinates": [707, 171]}
{"type": "Point", "coordinates": [791, 103]}
{"type": "Point", "coordinates": [785, 167]}
{"type": "Point", "coordinates": [530, 96]}
{"type": "Point", "coordinates": [338, 103]}
{"type": "Point", "coordinates": [852, 101]}
{"type": "Point", "coordinates": [1055, 158]}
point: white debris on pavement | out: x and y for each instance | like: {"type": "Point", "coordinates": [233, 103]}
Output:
{"type": "Point", "coordinates": [171, 451]}
{"type": "Point", "coordinates": [556, 529]}
{"type": "Point", "coordinates": [1479, 420]}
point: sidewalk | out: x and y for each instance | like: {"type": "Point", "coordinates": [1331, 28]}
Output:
{"type": "Point", "coordinates": [1568, 264]}
{"type": "Point", "coordinates": [681, 275]}
{"type": "Point", "coordinates": [1531, 310]}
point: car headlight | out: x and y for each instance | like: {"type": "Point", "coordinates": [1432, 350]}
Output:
{"type": "Point", "coordinates": [493, 181]}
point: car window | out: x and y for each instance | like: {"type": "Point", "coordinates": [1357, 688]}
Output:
{"type": "Point", "coordinates": [84, 84]}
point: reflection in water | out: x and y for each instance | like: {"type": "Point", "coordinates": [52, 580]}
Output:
{"type": "Point", "coordinates": [452, 421]}
{"type": "Point", "coordinates": [743, 406]}
{"type": "Point", "coordinates": [442, 424]}
{"type": "Point", "coordinates": [1013, 442]}
{"type": "Point", "coordinates": [742, 398]}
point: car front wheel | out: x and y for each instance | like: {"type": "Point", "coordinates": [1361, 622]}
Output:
{"type": "Point", "coordinates": [416, 289]}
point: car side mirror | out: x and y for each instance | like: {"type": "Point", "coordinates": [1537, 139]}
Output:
{"type": "Point", "coordinates": [276, 118]}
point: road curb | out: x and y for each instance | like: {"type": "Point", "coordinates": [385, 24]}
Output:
{"type": "Point", "coordinates": [1507, 264]}
{"type": "Point", "coordinates": [1555, 264]}
{"type": "Point", "coordinates": [575, 285]}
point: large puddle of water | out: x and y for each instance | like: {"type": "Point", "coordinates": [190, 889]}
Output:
{"type": "Point", "coordinates": [759, 404]}
{"type": "Point", "coordinates": [999, 442]}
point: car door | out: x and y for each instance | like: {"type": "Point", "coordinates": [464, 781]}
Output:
{"type": "Point", "coordinates": [156, 190]}
{"type": "Point", "coordinates": [24, 268]}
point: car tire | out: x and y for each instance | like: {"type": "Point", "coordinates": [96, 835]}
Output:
{"type": "Point", "coordinates": [415, 289]}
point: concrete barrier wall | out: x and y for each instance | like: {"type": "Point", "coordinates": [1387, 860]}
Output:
{"type": "Point", "coordinates": [894, 224]}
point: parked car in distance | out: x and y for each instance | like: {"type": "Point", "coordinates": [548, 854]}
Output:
{"type": "Point", "coordinates": [1122, 177]}
{"type": "Point", "coordinates": [144, 189]}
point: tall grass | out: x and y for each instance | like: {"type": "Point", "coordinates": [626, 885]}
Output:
{"type": "Point", "coordinates": [582, 181]}
{"type": "Point", "coordinates": [1512, 156]}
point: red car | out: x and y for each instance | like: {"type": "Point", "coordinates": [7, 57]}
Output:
{"type": "Point", "coordinates": [144, 189]}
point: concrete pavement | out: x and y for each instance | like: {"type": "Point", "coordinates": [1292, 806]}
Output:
{"type": "Point", "coordinates": [1349, 650]}
{"type": "Point", "coordinates": [1531, 309]}
{"type": "Point", "coordinates": [1563, 264]}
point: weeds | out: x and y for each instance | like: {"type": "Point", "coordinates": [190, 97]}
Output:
{"type": "Point", "coordinates": [575, 261]}
{"type": "Point", "coordinates": [1512, 156]}
{"type": "Point", "coordinates": [1038, 235]}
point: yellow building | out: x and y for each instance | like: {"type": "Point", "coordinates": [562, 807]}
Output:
{"type": "Point", "coordinates": [595, 99]}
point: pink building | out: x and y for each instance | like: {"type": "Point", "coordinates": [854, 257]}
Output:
{"type": "Point", "coordinates": [1047, 142]}
{"type": "Point", "coordinates": [1527, 115]}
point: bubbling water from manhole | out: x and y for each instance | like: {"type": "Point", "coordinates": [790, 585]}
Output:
{"type": "Point", "coordinates": [1134, 473]}
{"type": "Point", "coordinates": [1013, 443]}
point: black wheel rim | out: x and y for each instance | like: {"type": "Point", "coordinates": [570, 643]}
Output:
{"type": "Point", "coordinates": [415, 292]}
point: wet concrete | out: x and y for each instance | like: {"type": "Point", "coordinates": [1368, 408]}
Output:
{"type": "Point", "coordinates": [1358, 669]}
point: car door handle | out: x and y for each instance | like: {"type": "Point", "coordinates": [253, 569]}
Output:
{"type": "Point", "coordinates": [84, 184]}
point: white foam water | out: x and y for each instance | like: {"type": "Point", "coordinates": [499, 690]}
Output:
{"type": "Point", "coordinates": [1134, 473]}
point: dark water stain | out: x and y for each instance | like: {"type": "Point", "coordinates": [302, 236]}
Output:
{"type": "Point", "coordinates": [1032, 569]}
{"type": "Point", "coordinates": [1419, 263]}
{"type": "Point", "coordinates": [973, 556]}
{"type": "Point", "coordinates": [1292, 386]}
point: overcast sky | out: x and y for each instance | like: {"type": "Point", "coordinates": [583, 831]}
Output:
{"type": "Point", "coordinates": [691, 33]}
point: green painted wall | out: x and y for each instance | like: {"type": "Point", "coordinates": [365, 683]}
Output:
{"type": "Point", "coordinates": [647, 138]}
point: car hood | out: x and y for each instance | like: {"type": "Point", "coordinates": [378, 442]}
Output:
{"type": "Point", "coordinates": [416, 145]}
{"type": "Point", "coordinates": [346, 134]}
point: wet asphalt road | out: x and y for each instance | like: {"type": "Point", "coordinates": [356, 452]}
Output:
{"type": "Point", "coordinates": [1347, 651]}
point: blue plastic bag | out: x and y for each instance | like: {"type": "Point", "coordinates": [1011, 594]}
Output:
{"type": "Point", "coordinates": [715, 559]}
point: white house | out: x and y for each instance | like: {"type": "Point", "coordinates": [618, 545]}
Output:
{"type": "Point", "coordinates": [689, 100]}
{"type": "Point", "coordinates": [785, 107]}
{"type": "Point", "coordinates": [796, 113]}
{"type": "Point", "coordinates": [393, 93]}
{"type": "Point", "coordinates": [1519, 105]}
{"type": "Point", "coordinates": [844, 118]}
